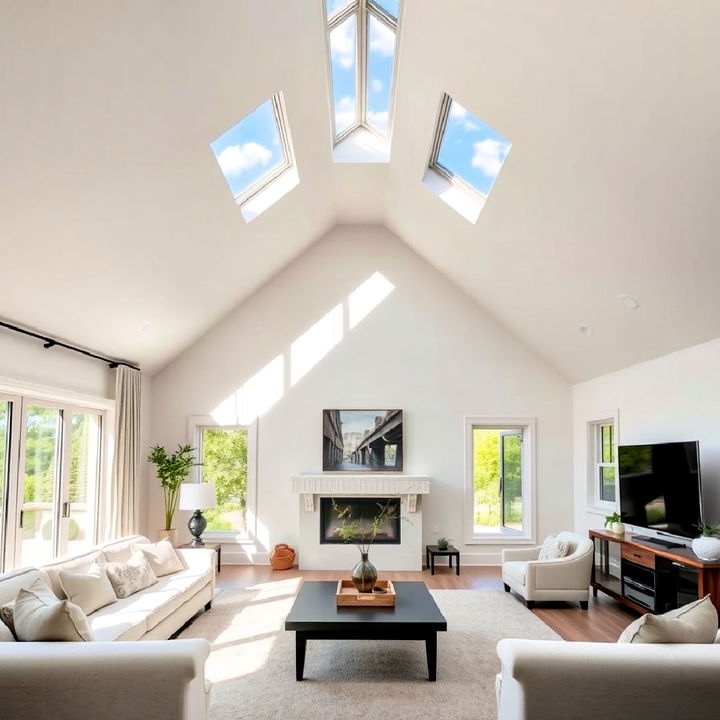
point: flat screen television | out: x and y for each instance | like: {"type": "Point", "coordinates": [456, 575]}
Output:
{"type": "Point", "coordinates": [660, 487]}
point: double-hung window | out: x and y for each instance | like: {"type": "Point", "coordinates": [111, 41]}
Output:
{"type": "Point", "coordinates": [602, 462]}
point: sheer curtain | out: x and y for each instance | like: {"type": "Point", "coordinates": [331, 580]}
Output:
{"type": "Point", "coordinates": [125, 488]}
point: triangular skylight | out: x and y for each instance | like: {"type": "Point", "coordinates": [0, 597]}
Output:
{"type": "Point", "coordinates": [362, 38]}
{"type": "Point", "coordinates": [467, 156]}
{"type": "Point", "coordinates": [255, 153]}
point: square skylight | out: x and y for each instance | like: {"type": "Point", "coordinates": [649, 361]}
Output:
{"type": "Point", "coordinates": [362, 38]}
{"type": "Point", "coordinates": [470, 149]}
{"type": "Point", "coordinates": [256, 151]}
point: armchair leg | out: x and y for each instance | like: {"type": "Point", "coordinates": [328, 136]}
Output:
{"type": "Point", "coordinates": [507, 587]}
{"type": "Point", "coordinates": [530, 604]}
{"type": "Point", "coordinates": [584, 604]}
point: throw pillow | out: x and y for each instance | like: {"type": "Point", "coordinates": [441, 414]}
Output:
{"type": "Point", "coordinates": [6, 615]}
{"type": "Point", "coordinates": [162, 557]}
{"type": "Point", "coordinates": [553, 548]}
{"type": "Point", "coordinates": [132, 576]}
{"type": "Point", "coordinates": [696, 622]}
{"type": "Point", "coordinates": [91, 590]}
{"type": "Point", "coordinates": [39, 616]}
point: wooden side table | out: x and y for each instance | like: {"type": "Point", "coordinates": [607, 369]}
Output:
{"type": "Point", "coordinates": [217, 547]}
{"type": "Point", "coordinates": [432, 550]}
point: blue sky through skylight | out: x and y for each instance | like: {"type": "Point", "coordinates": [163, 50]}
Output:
{"type": "Point", "coordinates": [250, 149]}
{"type": "Point", "coordinates": [381, 52]}
{"type": "Point", "coordinates": [391, 7]}
{"type": "Point", "coordinates": [343, 60]}
{"type": "Point", "coordinates": [471, 149]}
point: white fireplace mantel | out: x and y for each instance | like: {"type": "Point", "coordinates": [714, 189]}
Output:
{"type": "Point", "coordinates": [361, 486]}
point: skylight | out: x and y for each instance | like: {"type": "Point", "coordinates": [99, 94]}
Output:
{"type": "Point", "coordinates": [256, 151]}
{"type": "Point", "coordinates": [467, 148]}
{"type": "Point", "coordinates": [362, 38]}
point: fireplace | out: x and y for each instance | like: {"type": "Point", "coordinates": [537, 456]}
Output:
{"type": "Point", "coordinates": [361, 509]}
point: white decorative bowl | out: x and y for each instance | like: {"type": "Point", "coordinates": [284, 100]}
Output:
{"type": "Point", "coordinates": [618, 528]}
{"type": "Point", "coordinates": [707, 548]}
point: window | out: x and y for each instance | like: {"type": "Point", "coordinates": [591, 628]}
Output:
{"type": "Point", "coordinates": [51, 471]}
{"type": "Point", "coordinates": [602, 462]}
{"type": "Point", "coordinates": [256, 154]}
{"type": "Point", "coordinates": [227, 454]}
{"type": "Point", "coordinates": [499, 482]}
{"type": "Point", "coordinates": [362, 38]}
{"type": "Point", "coordinates": [465, 159]}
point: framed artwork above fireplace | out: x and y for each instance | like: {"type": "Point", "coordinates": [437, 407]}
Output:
{"type": "Point", "coordinates": [362, 441]}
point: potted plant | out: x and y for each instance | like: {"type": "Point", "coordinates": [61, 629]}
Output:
{"type": "Point", "coordinates": [362, 531]}
{"type": "Point", "coordinates": [171, 469]}
{"type": "Point", "coordinates": [613, 524]}
{"type": "Point", "coordinates": [707, 546]}
{"type": "Point", "coordinates": [443, 543]}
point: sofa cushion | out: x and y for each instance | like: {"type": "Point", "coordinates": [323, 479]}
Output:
{"type": "Point", "coordinates": [696, 622]}
{"type": "Point", "coordinates": [515, 570]}
{"type": "Point", "coordinates": [130, 577]}
{"type": "Point", "coordinates": [78, 564]}
{"type": "Point", "coordinates": [39, 616]}
{"type": "Point", "coordinates": [91, 590]}
{"type": "Point", "coordinates": [554, 548]}
{"type": "Point", "coordinates": [120, 550]}
{"type": "Point", "coordinates": [162, 557]}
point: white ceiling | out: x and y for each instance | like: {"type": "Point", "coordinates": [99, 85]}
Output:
{"type": "Point", "coordinates": [113, 211]}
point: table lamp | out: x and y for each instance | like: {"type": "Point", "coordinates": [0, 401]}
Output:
{"type": "Point", "coordinates": [197, 497]}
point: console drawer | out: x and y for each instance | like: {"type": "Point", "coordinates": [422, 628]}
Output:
{"type": "Point", "coordinates": [638, 556]}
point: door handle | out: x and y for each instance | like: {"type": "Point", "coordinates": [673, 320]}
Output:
{"type": "Point", "coordinates": [66, 509]}
{"type": "Point", "coordinates": [22, 519]}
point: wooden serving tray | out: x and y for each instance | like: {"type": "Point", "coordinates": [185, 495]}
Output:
{"type": "Point", "coordinates": [347, 595]}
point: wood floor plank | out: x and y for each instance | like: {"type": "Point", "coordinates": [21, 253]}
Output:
{"type": "Point", "coordinates": [604, 620]}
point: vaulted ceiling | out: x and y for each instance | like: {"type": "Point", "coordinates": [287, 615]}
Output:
{"type": "Point", "coordinates": [113, 213]}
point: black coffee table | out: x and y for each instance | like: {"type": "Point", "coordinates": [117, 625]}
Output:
{"type": "Point", "coordinates": [315, 616]}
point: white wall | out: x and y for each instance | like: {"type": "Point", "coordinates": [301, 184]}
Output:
{"type": "Point", "coordinates": [427, 348]}
{"type": "Point", "coordinates": [672, 398]}
{"type": "Point", "coordinates": [25, 359]}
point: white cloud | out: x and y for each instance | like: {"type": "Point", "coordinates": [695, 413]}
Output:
{"type": "Point", "coordinates": [376, 84]}
{"type": "Point", "coordinates": [382, 38]}
{"type": "Point", "coordinates": [342, 44]}
{"type": "Point", "coordinates": [344, 113]}
{"type": "Point", "coordinates": [457, 111]}
{"type": "Point", "coordinates": [489, 156]}
{"type": "Point", "coordinates": [378, 120]}
{"type": "Point", "coordinates": [235, 159]}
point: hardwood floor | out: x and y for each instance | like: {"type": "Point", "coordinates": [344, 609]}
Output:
{"type": "Point", "coordinates": [602, 622]}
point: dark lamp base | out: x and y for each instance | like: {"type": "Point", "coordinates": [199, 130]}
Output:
{"type": "Point", "coordinates": [196, 526]}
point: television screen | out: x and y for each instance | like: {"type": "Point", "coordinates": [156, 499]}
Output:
{"type": "Point", "coordinates": [660, 487]}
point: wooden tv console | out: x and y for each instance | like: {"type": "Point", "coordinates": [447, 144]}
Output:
{"type": "Point", "coordinates": [648, 577]}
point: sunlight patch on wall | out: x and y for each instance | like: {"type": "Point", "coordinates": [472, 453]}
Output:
{"type": "Point", "coordinates": [367, 297]}
{"type": "Point", "coordinates": [315, 343]}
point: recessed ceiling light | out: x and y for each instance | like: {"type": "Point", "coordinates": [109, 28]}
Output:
{"type": "Point", "coordinates": [629, 302]}
{"type": "Point", "coordinates": [585, 330]}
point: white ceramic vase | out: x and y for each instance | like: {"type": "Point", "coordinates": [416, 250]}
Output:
{"type": "Point", "coordinates": [707, 548]}
{"type": "Point", "coordinates": [618, 528]}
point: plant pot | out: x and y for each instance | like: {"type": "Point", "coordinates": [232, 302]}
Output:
{"type": "Point", "coordinates": [707, 548]}
{"type": "Point", "coordinates": [171, 535]}
{"type": "Point", "coordinates": [444, 546]}
{"type": "Point", "coordinates": [364, 574]}
{"type": "Point", "coordinates": [618, 528]}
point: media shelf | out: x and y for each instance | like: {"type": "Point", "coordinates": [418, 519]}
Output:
{"type": "Point", "coordinates": [648, 576]}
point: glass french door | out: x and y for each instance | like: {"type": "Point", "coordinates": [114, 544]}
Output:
{"type": "Point", "coordinates": [58, 481]}
{"type": "Point", "coordinates": [511, 480]}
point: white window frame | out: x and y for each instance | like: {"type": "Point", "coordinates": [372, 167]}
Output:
{"type": "Point", "coordinates": [21, 394]}
{"type": "Point", "coordinates": [593, 445]}
{"type": "Point", "coordinates": [278, 105]}
{"type": "Point", "coordinates": [527, 425]}
{"type": "Point", "coordinates": [361, 9]}
{"type": "Point", "coordinates": [197, 423]}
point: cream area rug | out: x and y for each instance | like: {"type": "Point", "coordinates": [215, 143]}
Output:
{"type": "Point", "coordinates": [252, 664]}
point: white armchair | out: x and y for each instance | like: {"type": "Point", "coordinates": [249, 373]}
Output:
{"type": "Point", "coordinates": [566, 578]}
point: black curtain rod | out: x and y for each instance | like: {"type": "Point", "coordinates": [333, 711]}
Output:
{"type": "Point", "coordinates": [52, 342]}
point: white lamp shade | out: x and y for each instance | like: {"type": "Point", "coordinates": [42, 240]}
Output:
{"type": "Point", "coordinates": [197, 496]}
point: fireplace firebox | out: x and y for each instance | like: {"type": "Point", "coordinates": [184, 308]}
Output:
{"type": "Point", "coordinates": [362, 509]}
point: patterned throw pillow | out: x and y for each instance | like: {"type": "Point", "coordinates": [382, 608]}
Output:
{"type": "Point", "coordinates": [552, 548]}
{"type": "Point", "coordinates": [132, 576]}
{"type": "Point", "coordinates": [6, 615]}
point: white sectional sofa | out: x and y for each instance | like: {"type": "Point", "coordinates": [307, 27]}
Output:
{"type": "Point", "coordinates": [549, 680]}
{"type": "Point", "coordinates": [107, 679]}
